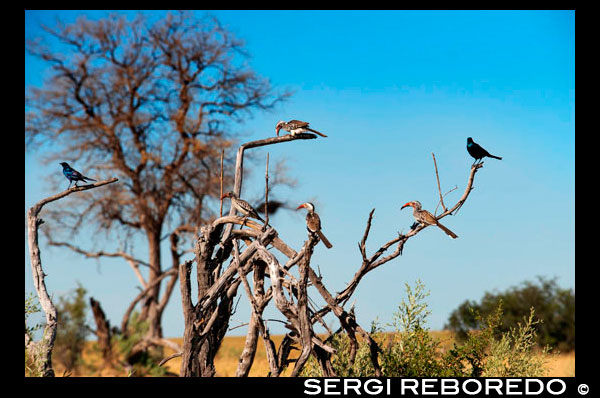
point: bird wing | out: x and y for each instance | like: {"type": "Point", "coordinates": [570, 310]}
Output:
{"type": "Point", "coordinates": [76, 174]}
{"type": "Point", "coordinates": [427, 218]}
{"type": "Point", "coordinates": [294, 124]}
{"type": "Point", "coordinates": [246, 208]}
{"type": "Point", "coordinates": [313, 222]}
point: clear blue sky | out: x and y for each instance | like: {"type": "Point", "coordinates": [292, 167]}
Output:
{"type": "Point", "coordinates": [389, 88]}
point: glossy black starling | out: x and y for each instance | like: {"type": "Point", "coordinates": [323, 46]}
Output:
{"type": "Point", "coordinates": [477, 151]}
{"type": "Point", "coordinates": [73, 175]}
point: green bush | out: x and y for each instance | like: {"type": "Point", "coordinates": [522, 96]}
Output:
{"type": "Point", "coordinates": [555, 308]}
{"type": "Point", "coordinates": [33, 367]}
{"type": "Point", "coordinates": [72, 329]}
{"type": "Point", "coordinates": [144, 362]}
{"type": "Point", "coordinates": [411, 351]}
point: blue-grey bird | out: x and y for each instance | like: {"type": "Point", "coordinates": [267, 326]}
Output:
{"type": "Point", "coordinates": [477, 151]}
{"type": "Point", "coordinates": [73, 175]}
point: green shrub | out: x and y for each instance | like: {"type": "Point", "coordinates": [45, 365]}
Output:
{"type": "Point", "coordinates": [145, 363]}
{"type": "Point", "coordinates": [411, 351]}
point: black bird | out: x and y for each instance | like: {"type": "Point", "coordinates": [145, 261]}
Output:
{"type": "Point", "coordinates": [73, 175]}
{"type": "Point", "coordinates": [477, 151]}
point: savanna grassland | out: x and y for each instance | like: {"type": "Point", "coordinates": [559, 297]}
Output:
{"type": "Point", "coordinates": [559, 365]}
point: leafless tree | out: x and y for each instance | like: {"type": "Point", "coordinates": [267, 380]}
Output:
{"type": "Point", "coordinates": [222, 267]}
{"type": "Point", "coordinates": [153, 103]}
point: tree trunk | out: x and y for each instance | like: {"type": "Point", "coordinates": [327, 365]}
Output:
{"type": "Point", "coordinates": [152, 312]}
{"type": "Point", "coordinates": [45, 346]}
{"type": "Point", "coordinates": [102, 331]}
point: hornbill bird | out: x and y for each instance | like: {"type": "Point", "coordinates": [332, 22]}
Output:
{"type": "Point", "coordinates": [426, 218]}
{"type": "Point", "coordinates": [313, 222]}
{"type": "Point", "coordinates": [295, 127]}
{"type": "Point", "coordinates": [73, 175]}
{"type": "Point", "coordinates": [242, 206]}
{"type": "Point", "coordinates": [477, 151]}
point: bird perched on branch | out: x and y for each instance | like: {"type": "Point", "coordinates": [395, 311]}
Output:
{"type": "Point", "coordinates": [426, 218]}
{"type": "Point", "coordinates": [477, 151]}
{"type": "Point", "coordinates": [295, 127]}
{"type": "Point", "coordinates": [242, 206]}
{"type": "Point", "coordinates": [73, 175]}
{"type": "Point", "coordinates": [313, 222]}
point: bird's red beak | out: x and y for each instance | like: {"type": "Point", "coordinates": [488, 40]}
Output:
{"type": "Point", "coordinates": [224, 196]}
{"type": "Point", "coordinates": [408, 204]}
{"type": "Point", "coordinates": [277, 130]}
{"type": "Point", "coordinates": [299, 207]}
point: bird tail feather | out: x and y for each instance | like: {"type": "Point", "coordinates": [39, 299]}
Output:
{"type": "Point", "coordinates": [324, 239]}
{"type": "Point", "coordinates": [316, 132]}
{"type": "Point", "coordinates": [447, 231]}
{"type": "Point", "coordinates": [495, 157]}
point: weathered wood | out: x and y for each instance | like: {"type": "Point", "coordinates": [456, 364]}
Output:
{"type": "Point", "coordinates": [305, 326]}
{"type": "Point", "coordinates": [256, 324]}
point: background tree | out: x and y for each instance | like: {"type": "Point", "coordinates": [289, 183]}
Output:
{"type": "Point", "coordinates": [555, 307]}
{"type": "Point", "coordinates": [72, 329]}
{"type": "Point", "coordinates": [153, 104]}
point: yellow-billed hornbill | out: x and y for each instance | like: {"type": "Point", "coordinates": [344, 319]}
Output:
{"type": "Point", "coordinates": [295, 127]}
{"type": "Point", "coordinates": [313, 222]}
{"type": "Point", "coordinates": [426, 218]}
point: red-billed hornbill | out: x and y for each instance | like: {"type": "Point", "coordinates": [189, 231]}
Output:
{"type": "Point", "coordinates": [426, 218]}
{"type": "Point", "coordinates": [313, 222]}
{"type": "Point", "coordinates": [242, 206]}
{"type": "Point", "coordinates": [295, 127]}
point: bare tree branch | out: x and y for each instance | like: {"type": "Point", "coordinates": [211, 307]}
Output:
{"type": "Point", "coordinates": [438, 182]}
{"type": "Point", "coordinates": [143, 294]}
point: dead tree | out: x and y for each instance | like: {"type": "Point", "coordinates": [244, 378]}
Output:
{"type": "Point", "coordinates": [222, 267]}
{"type": "Point", "coordinates": [102, 332]}
{"type": "Point", "coordinates": [43, 348]}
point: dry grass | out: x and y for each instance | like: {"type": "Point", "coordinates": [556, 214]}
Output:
{"type": "Point", "coordinates": [560, 365]}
